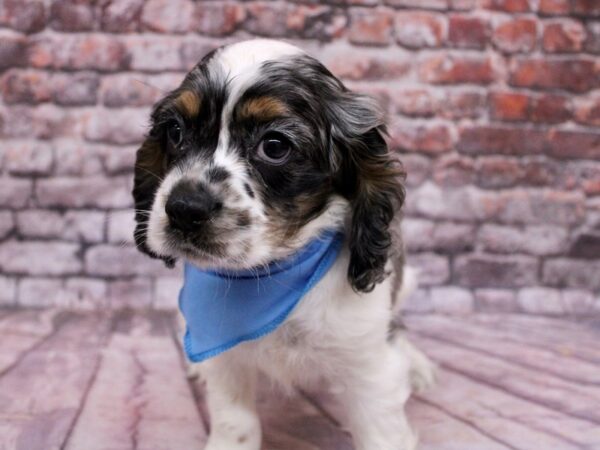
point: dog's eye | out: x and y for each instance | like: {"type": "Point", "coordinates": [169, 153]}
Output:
{"type": "Point", "coordinates": [274, 149]}
{"type": "Point", "coordinates": [174, 133]}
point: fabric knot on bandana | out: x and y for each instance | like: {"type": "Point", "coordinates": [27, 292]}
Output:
{"type": "Point", "coordinates": [224, 308]}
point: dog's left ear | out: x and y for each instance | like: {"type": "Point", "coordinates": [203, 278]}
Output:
{"type": "Point", "coordinates": [370, 177]}
{"type": "Point", "coordinates": [148, 173]}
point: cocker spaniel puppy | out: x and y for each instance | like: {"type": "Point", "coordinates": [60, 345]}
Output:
{"type": "Point", "coordinates": [273, 183]}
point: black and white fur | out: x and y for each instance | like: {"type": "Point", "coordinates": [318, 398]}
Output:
{"type": "Point", "coordinates": [208, 136]}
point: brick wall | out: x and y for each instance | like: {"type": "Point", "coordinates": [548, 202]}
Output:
{"type": "Point", "coordinates": [494, 105]}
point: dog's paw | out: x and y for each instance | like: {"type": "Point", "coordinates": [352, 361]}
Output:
{"type": "Point", "coordinates": [422, 372]}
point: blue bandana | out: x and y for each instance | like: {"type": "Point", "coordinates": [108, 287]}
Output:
{"type": "Point", "coordinates": [223, 309]}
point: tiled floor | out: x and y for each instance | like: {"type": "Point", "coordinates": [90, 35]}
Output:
{"type": "Point", "coordinates": [117, 381]}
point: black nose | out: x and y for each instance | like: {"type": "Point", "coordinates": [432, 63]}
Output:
{"type": "Point", "coordinates": [190, 205]}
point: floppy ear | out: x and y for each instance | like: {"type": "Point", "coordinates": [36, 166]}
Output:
{"type": "Point", "coordinates": [371, 178]}
{"type": "Point", "coordinates": [149, 172]}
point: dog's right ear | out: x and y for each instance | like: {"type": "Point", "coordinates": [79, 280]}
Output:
{"type": "Point", "coordinates": [148, 174]}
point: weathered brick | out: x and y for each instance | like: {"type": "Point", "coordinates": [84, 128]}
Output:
{"type": "Point", "coordinates": [540, 171]}
{"type": "Point", "coordinates": [134, 293]}
{"type": "Point", "coordinates": [75, 90]}
{"type": "Point", "coordinates": [419, 29]}
{"type": "Point", "coordinates": [166, 292]}
{"type": "Point", "coordinates": [503, 140]}
{"type": "Point", "coordinates": [12, 50]}
{"type": "Point", "coordinates": [316, 22]}
{"type": "Point", "coordinates": [417, 234]}
{"type": "Point", "coordinates": [370, 26]}
{"type": "Point", "coordinates": [45, 121]}
{"type": "Point", "coordinates": [586, 244]}
{"type": "Point", "coordinates": [135, 89]}
{"type": "Point", "coordinates": [512, 6]}
{"type": "Point", "coordinates": [573, 74]}
{"type": "Point", "coordinates": [121, 15]}
{"type": "Point", "coordinates": [425, 4]}
{"type": "Point", "coordinates": [218, 18]}
{"type": "Point", "coordinates": [566, 36]}
{"type": "Point", "coordinates": [516, 35]}
{"type": "Point", "coordinates": [468, 32]}
{"type": "Point", "coordinates": [167, 16]}
{"type": "Point", "coordinates": [267, 19]}
{"type": "Point", "coordinates": [433, 269]}
{"type": "Point", "coordinates": [120, 261]}
{"type": "Point", "coordinates": [119, 162]}
{"type": "Point", "coordinates": [416, 137]}
{"type": "Point", "coordinates": [502, 271]}
{"type": "Point", "coordinates": [549, 108]}
{"type": "Point", "coordinates": [19, 86]}
{"type": "Point", "coordinates": [454, 170]}
{"type": "Point", "coordinates": [585, 7]}
{"type": "Point", "coordinates": [77, 52]}
{"type": "Point", "coordinates": [417, 168]}
{"type": "Point", "coordinates": [8, 291]}
{"type": "Point", "coordinates": [39, 258]}
{"type": "Point", "coordinates": [587, 110]}
{"type": "Point", "coordinates": [86, 293]}
{"type": "Point", "coordinates": [72, 15]}
{"type": "Point", "coordinates": [454, 69]}
{"type": "Point", "coordinates": [573, 273]}
{"type": "Point", "coordinates": [495, 172]}
{"type": "Point", "coordinates": [121, 225]}
{"type": "Point", "coordinates": [7, 223]}
{"type": "Point", "coordinates": [28, 157]}
{"type": "Point", "coordinates": [101, 192]}
{"type": "Point", "coordinates": [541, 240]}
{"type": "Point", "coordinates": [415, 102]}
{"type": "Point", "coordinates": [348, 64]}
{"type": "Point", "coordinates": [539, 300]}
{"type": "Point", "coordinates": [450, 237]}
{"type": "Point", "coordinates": [574, 144]}
{"type": "Point", "coordinates": [418, 302]}
{"type": "Point", "coordinates": [86, 226]}
{"type": "Point", "coordinates": [152, 53]}
{"type": "Point", "coordinates": [15, 192]}
{"type": "Point", "coordinates": [39, 292]}
{"type": "Point", "coordinates": [495, 301]}
{"type": "Point", "coordinates": [28, 16]}
{"type": "Point", "coordinates": [123, 126]}
{"type": "Point", "coordinates": [577, 301]}
{"type": "Point", "coordinates": [592, 43]}
{"type": "Point", "coordinates": [452, 300]}
{"type": "Point", "coordinates": [79, 158]}
{"type": "Point", "coordinates": [462, 104]}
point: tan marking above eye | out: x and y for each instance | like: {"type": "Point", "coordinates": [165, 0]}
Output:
{"type": "Point", "coordinates": [188, 103]}
{"type": "Point", "coordinates": [263, 108]}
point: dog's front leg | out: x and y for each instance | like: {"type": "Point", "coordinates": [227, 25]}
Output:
{"type": "Point", "coordinates": [373, 395]}
{"type": "Point", "coordinates": [231, 398]}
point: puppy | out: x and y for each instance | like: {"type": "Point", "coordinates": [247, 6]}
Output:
{"type": "Point", "coordinates": [257, 155]}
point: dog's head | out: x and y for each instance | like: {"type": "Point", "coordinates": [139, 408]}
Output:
{"type": "Point", "coordinates": [257, 151]}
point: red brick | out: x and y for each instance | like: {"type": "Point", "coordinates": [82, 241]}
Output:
{"type": "Point", "coordinates": [540, 171]}
{"type": "Point", "coordinates": [355, 66]}
{"type": "Point", "coordinates": [28, 16]}
{"type": "Point", "coordinates": [574, 144]}
{"type": "Point", "coordinates": [39, 258]}
{"type": "Point", "coordinates": [454, 69]}
{"type": "Point", "coordinates": [567, 36]}
{"type": "Point", "coordinates": [468, 32]}
{"type": "Point", "coordinates": [167, 16]}
{"type": "Point", "coordinates": [554, 7]}
{"type": "Point", "coordinates": [12, 50]}
{"type": "Point", "coordinates": [516, 35]}
{"type": "Point", "coordinates": [484, 270]}
{"type": "Point", "coordinates": [587, 111]}
{"type": "Point", "coordinates": [267, 19]}
{"type": "Point", "coordinates": [370, 26]}
{"type": "Point", "coordinates": [510, 106]}
{"type": "Point", "coordinates": [550, 109]}
{"type": "Point", "coordinates": [93, 192]}
{"type": "Point", "coordinates": [586, 7]}
{"type": "Point", "coordinates": [501, 140]}
{"type": "Point", "coordinates": [454, 170]}
{"type": "Point", "coordinates": [419, 29]}
{"type": "Point", "coordinates": [496, 172]}
{"type": "Point", "coordinates": [507, 5]}
{"type": "Point", "coordinates": [218, 18]}
{"type": "Point", "coordinates": [121, 15]}
{"type": "Point", "coordinates": [316, 22]}
{"type": "Point", "coordinates": [584, 175]}
{"type": "Point", "coordinates": [77, 52]}
{"type": "Point", "coordinates": [428, 139]}
{"type": "Point", "coordinates": [574, 74]}
{"type": "Point", "coordinates": [425, 4]}
{"type": "Point", "coordinates": [72, 15]}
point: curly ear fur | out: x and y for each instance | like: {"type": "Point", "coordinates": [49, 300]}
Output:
{"type": "Point", "coordinates": [370, 176]}
{"type": "Point", "coordinates": [149, 171]}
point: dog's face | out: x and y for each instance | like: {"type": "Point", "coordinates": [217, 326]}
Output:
{"type": "Point", "coordinates": [258, 150]}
